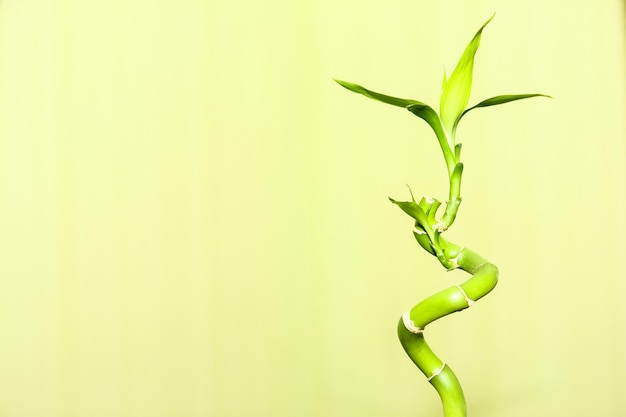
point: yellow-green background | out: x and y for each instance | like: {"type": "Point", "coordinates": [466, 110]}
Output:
{"type": "Point", "coordinates": [194, 217]}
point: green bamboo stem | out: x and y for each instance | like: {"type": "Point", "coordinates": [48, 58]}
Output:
{"type": "Point", "coordinates": [440, 375]}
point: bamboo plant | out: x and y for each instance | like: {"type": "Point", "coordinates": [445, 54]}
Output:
{"type": "Point", "coordinates": [429, 228]}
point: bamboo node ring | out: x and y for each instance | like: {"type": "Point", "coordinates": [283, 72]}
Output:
{"type": "Point", "coordinates": [410, 325]}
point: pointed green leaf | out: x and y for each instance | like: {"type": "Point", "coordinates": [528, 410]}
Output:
{"type": "Point", "coordinates": [432, 118]}
{"type": "Point", "coordinates": [456, 92]}
{"type": "Point", "coordinates": [429, 115]}
{"type": "Point", "coordinates": [494, 101]}
{"type": "Point", "coordinates": [413, 210]}
{"type": "Point", "coordinates": [411, 192]}
{"type": "Point", "coordinates": [507, 98]}
{"type": "Point", "coordinates": [394, 101]}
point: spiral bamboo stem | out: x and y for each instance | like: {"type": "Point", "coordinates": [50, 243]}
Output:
{"type": "Point", "coordinates": [412, 324]}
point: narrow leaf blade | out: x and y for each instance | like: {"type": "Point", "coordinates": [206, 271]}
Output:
{"type": "Point", "coordinates": [394, 101]}
{"type": "Point", "coordinates": [506, 98]}
{"type": "Point", "coordinates": [457, 89]}
{"type": "Point", "coordinates": [427, 114]}
{"type": "Point", "coordinates": [412, 209]}
{"type": "Point", "coordinates": [432, 118]}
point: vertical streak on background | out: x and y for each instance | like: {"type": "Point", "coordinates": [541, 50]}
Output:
{"type": "Point", "coordinates": [620, 226]}
{"type": "Point", "coordinates": [60, 27]}
{"type": "Point", "coordinates": [268, 278]}
{"type": "Point", "coordinates": [200, 214]}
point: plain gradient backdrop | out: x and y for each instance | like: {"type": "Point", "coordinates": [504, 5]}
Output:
{"type": "Point", "coordinates": [194, 217]}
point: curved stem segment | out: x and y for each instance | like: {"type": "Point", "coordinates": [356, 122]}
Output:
{"type": "Point", "coordinates": [412, 324]}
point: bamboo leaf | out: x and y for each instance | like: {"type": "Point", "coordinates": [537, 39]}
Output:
{"type": "Point", "coordinates": [429, 115]}
{"type": "Point", "coordinates": [457, 88]}
{"type": "Point", "coordinates": [432, 118]}
{"type": "Point", "coordinates": [412, 209]}
{"type": "Point", "coordinates": [394, 101]}
{"type": "Point", "coordinates": [494, 101]}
